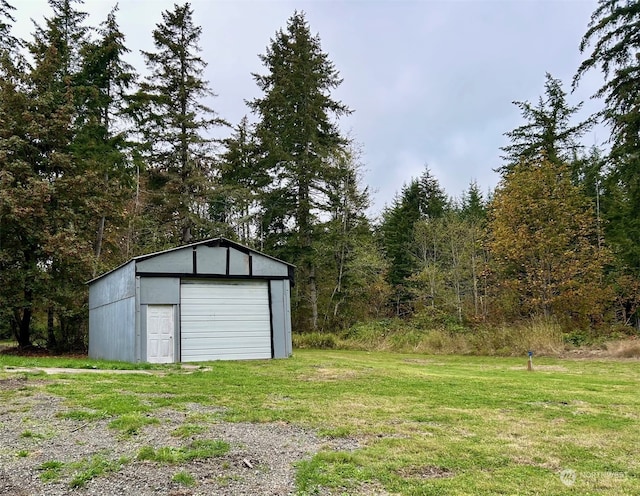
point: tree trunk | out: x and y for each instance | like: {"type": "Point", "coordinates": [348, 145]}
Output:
{"type": "Point", "coordinates": [23, 326]}
{"type": "Point", "coordinates": [51, 337]}
{"type": "Point", "coordinates": [313, 297]}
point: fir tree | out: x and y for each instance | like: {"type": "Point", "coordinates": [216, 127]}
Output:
{"type": "Point", "coordinates": [421, 199]}
{"type": "Point", "coordinates": [101, 136]}
{"type": "Point", "coordinates": [548, 130]}
{"type": "Point", "coordinates": [611, 44]}
{"type": "Point", "coordinates": [174, 121]}
{"type": "Point", "coordinates": [241, 183]}
{"type": "Point", "coordinates": [48, 194]}
{"type": "Point", "coordinates": [297, 134]}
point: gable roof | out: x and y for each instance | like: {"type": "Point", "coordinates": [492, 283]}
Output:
{"type": "Point", "coordinates": [212, 243]}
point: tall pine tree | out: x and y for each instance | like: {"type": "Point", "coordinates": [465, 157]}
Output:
{"type": "Point", "coordinates": [548, 130]}
{"type": "Point", "coordinates": [174, 121]}
{"type": "Point", "coordinates": [241, 183]}
{"type": "Point", "coordinates": [422, 199]}
{"type": "Point", "coordinates": [48, 193]}
{"type": "Point", "coordinates": [612, 44]}
{"type": "Point", "coordinates": [298, 134]}
{"type": "Point", "coordinates": [101, 134]}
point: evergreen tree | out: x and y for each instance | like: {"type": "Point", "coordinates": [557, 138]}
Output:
{"type": "Point", "coordinates": [351, 270]}
{"type": "Point", "coordinates": [173, 122]}
{"type": "Point", "coordinates": [473, 205]}
{"type": "Point", "coordinates": [101, 136]}
{"type": "Point", "coordinates": [612, 42]}
{"type": "Point", "coordinates": [241, 183]}
{"type": "Point", "coordinates": [421, 199]}
{"type": "Point", "coordinates": [297, 134]}
{"type": "Point", "coordinates": [8, 42]}
{"type": "Point", "coordinates": [48, 194]}
{"type": "Point", "coordinates": [473, 214]}
{"type": "Point", "coordinates": [22, 195]}
{"type": "Point", "coordinates": [75, 186]}
{"type": "Point", "coordinates": [547, 132]}
{"type": "Point", "coordinates": [61, 38]}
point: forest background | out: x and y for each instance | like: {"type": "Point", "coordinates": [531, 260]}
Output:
{"type": "Point", "coordinates": [100, 164]}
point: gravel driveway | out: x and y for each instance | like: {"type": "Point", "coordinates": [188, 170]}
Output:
{"type": "Point", "coordinates": [260, 460]}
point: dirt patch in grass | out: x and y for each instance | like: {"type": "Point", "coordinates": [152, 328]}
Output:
{"type": "Point", "coordinates": [330, 374]}
{"type": "Point", "coordinates": [13, 383]}
{"type": "Point", "coordinates": [422, 361]}
{"type": "Point", "coordinates": [425, 472]}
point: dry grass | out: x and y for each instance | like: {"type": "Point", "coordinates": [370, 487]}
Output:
{"type": "Point", "coordinates": [543, 336]}
{"type": "Point", "coordinates": [624, 348]}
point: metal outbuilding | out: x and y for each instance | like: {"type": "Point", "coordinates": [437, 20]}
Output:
{"type": "Point", "coordinates": [212, 300]}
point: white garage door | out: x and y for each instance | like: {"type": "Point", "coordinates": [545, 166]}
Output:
{"type": "Point", "coordinates": [224, 320]}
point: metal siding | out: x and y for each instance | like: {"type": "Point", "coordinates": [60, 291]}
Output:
{"type": "Point", "coordinates": [177, 262]}
{"type": "Point", "coordinates": [277, 319]}
{"type": "Point", "coordinates": [159, 290]}
{"type": "Point", "coordinates": [112, 331]}
{"type": "Point", "coordinates": [211, 260]}
{"type": "Point", "coordinates": [112, 315]}
{"type": "Point", "coordinates": [264, 266]}
{"type": "Point", "coordinates": [224, 320]}
{"type": "Point", "coordinates": [117, 285]}
{"type": "Point", "coordinates": [238, 263]}
{"type": "Point", "coordinates": [286, 294]}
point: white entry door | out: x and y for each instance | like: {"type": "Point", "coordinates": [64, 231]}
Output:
{"type": "Point", "coordinates": [160, 330]}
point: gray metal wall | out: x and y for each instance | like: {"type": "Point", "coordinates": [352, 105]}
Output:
{"type": "Point", "coordinates": [112, 311]}
{"type": "Point", "coordinates": [281, 318]}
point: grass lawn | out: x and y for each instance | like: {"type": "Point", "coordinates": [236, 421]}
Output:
{"type": "Point", "coordinates": [423, 425]}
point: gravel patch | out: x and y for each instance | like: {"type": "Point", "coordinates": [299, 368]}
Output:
{"type": "Point", "coordinates": [260, 460]}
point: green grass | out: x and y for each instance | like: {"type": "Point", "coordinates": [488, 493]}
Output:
{"type": "Point", "coordinates": [50, 470]}
{"type": "Point", "coordinates": [82, 471]}
{"type": "Point", "coordinates": [184, 478]}
{"type": "Point", "coordinates": [130, 424]}
{"type": "Point", "coordinates": [75, 363]}
{"type": "Point", "coordinates": [31, 435]}
{"type": "Point", "coordinates": [197, 450]}
{"type": "Point", "coordinates": [96, 466]}
{"type": "Point", "coordinates": [446, 425]}
{"type": "Point", "coordinates": [188, 430]}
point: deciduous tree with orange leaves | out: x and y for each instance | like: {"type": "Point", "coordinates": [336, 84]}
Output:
{"type": "Point", "coordinates": [544, 245]}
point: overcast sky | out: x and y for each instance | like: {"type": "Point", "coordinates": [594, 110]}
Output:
{"type": "Point", "coordinates": [430, 82]}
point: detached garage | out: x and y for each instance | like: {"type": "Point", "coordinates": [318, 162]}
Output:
{"type": "Point", "coordinates": [212, 300]}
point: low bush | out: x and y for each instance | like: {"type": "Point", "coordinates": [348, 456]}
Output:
{"type": "Point", "coordinates": [431, 335]}
{"type": "Point", "coordinates": [315, 340]}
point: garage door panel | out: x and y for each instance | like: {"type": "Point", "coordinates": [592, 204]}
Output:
{"type": "Point", "coordinates": [203, 345]}
{"type": "Point", "coordinates": [225, 320]}
{"type": "Point", "coordinates": [204, 335]}
{"type": "Point", "coordinates": [226, 355]}
{"type": "Point", "coordinates": [228, 313]}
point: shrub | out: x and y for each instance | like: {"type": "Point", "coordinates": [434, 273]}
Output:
{"type": "Point", "coordinates": [315, 340]}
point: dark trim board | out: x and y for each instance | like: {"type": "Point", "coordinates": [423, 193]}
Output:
{"type": "Point", "coordinates": [273, 351]}
{"type": "Point", "coordinates": [211, 243]}
{"type": "Point", "coordinates": [183, 275]}
{"type": "Point", "coordinates": [195, 261]}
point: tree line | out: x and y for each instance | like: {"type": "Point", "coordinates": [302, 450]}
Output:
{"type": "Point", "coordinates": [100, 164]}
